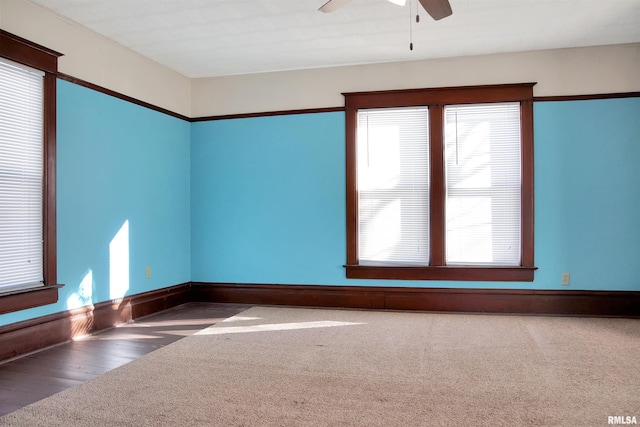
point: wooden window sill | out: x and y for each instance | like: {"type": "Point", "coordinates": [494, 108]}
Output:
{"type": "Point", "coordinates": [28, 298]}
{"type": "Point", "coordinates": [470, 273]}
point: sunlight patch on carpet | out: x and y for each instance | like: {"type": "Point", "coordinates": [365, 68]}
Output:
{"type": "Point", "coordinates": [273, 327]}
{"type": "Point", "coordinates": [239, 318]}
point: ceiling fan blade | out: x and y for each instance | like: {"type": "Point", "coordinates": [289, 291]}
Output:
{"type": "Point", "coordinates": [332, 5]}
{"type": "Point", "coordinates": [438, 9]}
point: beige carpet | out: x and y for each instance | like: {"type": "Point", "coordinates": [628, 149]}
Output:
{"type": "Point", "coordinates": [277, 366]}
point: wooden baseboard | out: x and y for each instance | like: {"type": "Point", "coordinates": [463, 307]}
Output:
{"type": "Point", "coordinates": [34, 334]}
{"type": "Point", "coordinates": [508, 301]}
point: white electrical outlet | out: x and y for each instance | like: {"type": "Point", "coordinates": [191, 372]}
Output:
{"type": "Point", "coordinates": [566, 279]}
{"type": "Point", "coordinates": [148, 272]}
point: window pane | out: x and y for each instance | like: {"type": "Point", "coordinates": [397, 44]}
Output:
{"type": "Point", "coordinates": [393, 186]}
{"type": "Point", "coordinates": [483, 184]}
{"type": "Point", "coordinates": [21, 163]}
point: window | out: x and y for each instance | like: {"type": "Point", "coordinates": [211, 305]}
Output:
{"type": "Point", "coordinates": [20, 176]}
{"type": "Point", "coordinates": [27, 174]}
{"type": "Point", "coordinates": [440, 184]}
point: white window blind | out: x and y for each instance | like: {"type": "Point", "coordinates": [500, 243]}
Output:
{"type": "Point", "coordinates": [393, 186]}
{"type": "Point", "coordinates": [483, 182]}
{"type": "Point", "coordinates": [21, 171]}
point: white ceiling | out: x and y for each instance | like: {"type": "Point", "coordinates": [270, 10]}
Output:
{"type": "Point", "coordinates": [206, 38]}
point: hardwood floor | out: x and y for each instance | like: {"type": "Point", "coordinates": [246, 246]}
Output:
{"type": "Point", "coordinates": [33, 377]}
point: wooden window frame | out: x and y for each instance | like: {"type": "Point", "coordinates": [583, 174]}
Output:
{"type": "Point", "coordinates": [436, 99]}
{"type": "Point", "coordinates": [39, 57]}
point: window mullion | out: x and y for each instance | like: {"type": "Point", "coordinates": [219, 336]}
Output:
{"type": "Point", "coordinates": [527, 211]}
{"type": "Point", "coordinates": [437, 186]}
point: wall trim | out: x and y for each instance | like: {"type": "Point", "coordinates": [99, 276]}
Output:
{"type": "Point", "coordinates": [119, 95]}
{"type": "Point", "coordinates": [127, 98]}
{"type": "Point", "coordinates": [496, 301]}
{"type": "Point", "coordinates": [269, 114]}
{"type": "Point", "coordinates": [24, 337]}
{"type": "Point", "coordinates": [101, 89]}
{"type": "Point", "coordinates": [586, 97]}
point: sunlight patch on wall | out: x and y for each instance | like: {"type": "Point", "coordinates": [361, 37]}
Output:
{"type": "Point", "coordinates": [119, 263]}
{"type": "Point", "coordinates": [84, 295]}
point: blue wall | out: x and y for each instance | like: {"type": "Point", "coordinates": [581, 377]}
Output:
{"type": "Point", "coordinates": [268, 199]}
{"type": "Point", "coordinates": [262, 200]}
{"type": "Point", "coordinates": [587, 156]}
{"type": "Point", "coordinates": [122, 200]}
